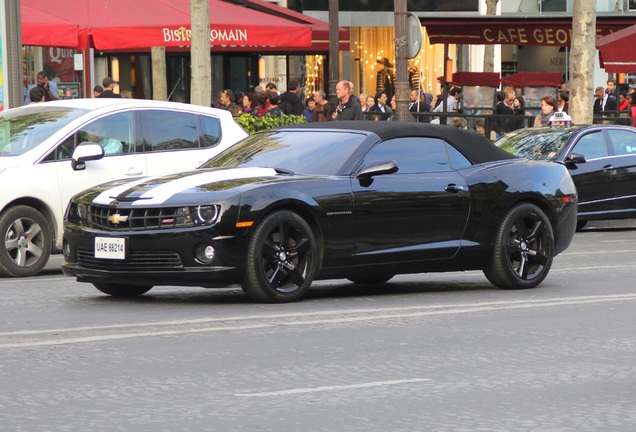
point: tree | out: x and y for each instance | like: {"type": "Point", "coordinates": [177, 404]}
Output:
{"type": "Point", "coordinates": [159, 84]}
{"type": "Point", "coordinates": [489, 50]}
{"type": "Point", "coordinates": [201, 87]}
{"type": "Point", "coordinates": [582, 61]}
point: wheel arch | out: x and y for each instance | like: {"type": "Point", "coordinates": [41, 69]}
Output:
{"type": "Point", "coordinates": [303, 209]}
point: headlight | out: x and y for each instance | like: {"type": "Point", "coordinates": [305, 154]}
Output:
{"type": "Point", "coordinates": [206, 214]}
{"type": "Point", "coordinates": [82, 211]}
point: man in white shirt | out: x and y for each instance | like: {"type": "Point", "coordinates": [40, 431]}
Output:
{"type": "Point", "coordinates": [451, 101]}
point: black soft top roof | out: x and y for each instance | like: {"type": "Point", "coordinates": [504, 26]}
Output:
{"type": "Point", "coordinates": [471, 144]}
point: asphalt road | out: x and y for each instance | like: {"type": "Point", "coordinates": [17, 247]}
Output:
{"type": "Point", "coordinates": [434, 352]}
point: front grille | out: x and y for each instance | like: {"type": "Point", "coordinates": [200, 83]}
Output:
{"type": "Point", "coordinates": [113, 219]}
{"type": "Point", "coordinates": [149, 260]}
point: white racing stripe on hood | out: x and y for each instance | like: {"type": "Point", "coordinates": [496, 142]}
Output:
{"type": "Point", "coordinates": [161, 193]}
{"type": "Point", "coordinates": [108, 196]}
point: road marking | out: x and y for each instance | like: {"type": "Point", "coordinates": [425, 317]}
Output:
{"type": "Point", "coordinates": [333, 388]}
{"type": "Point", "coordinates": [50, 337]}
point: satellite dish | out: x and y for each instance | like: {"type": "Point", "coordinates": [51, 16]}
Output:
{"type": "Point", "coordinates": [413, 36]}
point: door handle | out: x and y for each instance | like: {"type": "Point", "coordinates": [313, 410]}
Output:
{"type": "Point", "coordinates": [453, 188]}
{"type": "Point", "coordinates": [134, 172]}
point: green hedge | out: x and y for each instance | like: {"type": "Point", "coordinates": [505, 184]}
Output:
{"type": "Point", "coordinates": [253, 124]}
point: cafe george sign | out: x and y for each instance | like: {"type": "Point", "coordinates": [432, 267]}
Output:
{"type": "Point", "coordinates": [545, 31]}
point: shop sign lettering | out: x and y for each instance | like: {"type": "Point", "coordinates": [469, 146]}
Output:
{"type": "Point", "coordinates": [530, 36]}
{"type": "Point", "coordinates": [183, 34]}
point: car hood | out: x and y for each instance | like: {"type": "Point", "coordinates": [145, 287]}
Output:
{"type": "Point", "coordinates": [150, 191]}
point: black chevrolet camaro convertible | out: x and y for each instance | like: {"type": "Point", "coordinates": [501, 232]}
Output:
{"type": "Point", "coordinates": [357, 200]}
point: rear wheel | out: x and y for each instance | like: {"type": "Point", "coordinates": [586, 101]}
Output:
{"type": "Point", "coordinates": [282, 259]}
{"type": "Point", "coordinates": [121, 290]}
{"type": "Point", "coordinates": [523, 250]}
{"type": "Point", "coordinates": [25, 242]}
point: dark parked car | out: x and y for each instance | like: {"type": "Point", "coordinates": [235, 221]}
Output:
{"type": "Point", "coordinates": [356, 200]}
{"type": "Point", "coordinates": [601, 160]}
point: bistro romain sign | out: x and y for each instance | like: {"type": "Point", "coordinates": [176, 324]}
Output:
{"type": "Point", "coordinates": [183, 34]}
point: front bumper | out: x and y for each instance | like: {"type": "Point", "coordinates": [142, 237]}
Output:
{"type": "Point", "coordinates": [166, 257]}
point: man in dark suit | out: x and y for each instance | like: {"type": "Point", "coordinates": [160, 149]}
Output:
{"type": "Point", "coordinates": [416, 105]}
{"type": "Point", "coordinates": [604, 105]}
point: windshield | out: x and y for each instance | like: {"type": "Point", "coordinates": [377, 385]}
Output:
{"type": "Point", "coordinates": [543, 144]}
{"type": "Point", "coordinates": [301, 152]}
{"type": "Point", "coordinates": [24, 129]}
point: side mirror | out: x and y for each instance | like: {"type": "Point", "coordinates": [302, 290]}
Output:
{"type": "Point", "coordinates": [573, 159]}
{"type": "Point", "coordinates": [86, 151]}
{"type": "Point", "coordinates": [377, 168]}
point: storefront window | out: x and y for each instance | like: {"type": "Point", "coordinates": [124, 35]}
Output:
{"type": "Point", "coordinates": [373, 65]}
{"type": "Point", "coordinates": [316, 72]}
{"type": "Point", "coordinates": [62, 65]}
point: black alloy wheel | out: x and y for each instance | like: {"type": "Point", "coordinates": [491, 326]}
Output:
{"type": "Point", "coordinates": [523, 250]}
{"type": "Point", "coordinates": [282, 259]}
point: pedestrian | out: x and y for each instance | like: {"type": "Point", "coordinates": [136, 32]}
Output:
{"type": "Point", "coordinates": [49, 87]}
{"type": "Point", "coordinates": [320, 99]}
{"type": "Point", "coordinates": [37, 95]}
{"type": "Point", "coordinates": [309, 111]}
{"type": "Point", "coordinates": [548, 108]}
{"type": "Point", "coordinates": [290, 102]}
{"type": "Point", "coordinates": [347, 108]}
{"type": "Point", "coordinates": [109, 85]}
{"type": "Point", "coordinates": [274, 100]}
{"type": "Point", "coordinates": [380, 107]}
{"type": "Point", "coordinates": [97, 90]}
{"type": "Point", "coordinates": [417, 106]}
{"type": "Point", "coordinates": [632, 102]}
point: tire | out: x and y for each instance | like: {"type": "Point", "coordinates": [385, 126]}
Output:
{"type": "Point", "coordinates": [371, 280]}
{"type": "Point", "coordinates": [25, 242]}
{"type": "Point", "coordinates": [121, 290]}
{"type": "Point", "coordinates": [282, 259]}
{"type": "Point", "coordinates": [524, 249]}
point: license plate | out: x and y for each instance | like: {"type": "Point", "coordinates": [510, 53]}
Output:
{"type": "Point", "coordinates": [110, 248]}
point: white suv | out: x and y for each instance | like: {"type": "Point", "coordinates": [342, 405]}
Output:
{"type": "Point", "coordinates": [39, 172]}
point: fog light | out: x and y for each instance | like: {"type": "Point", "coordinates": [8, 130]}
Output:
{"type": "Point", "coordinates": [66, 250]}
{"type": "Point", "coordinates": [205, 253]}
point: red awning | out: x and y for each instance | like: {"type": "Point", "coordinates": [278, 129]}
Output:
{"type": "Point", "coordinates": [118, 25]}
{"type": "Point", "coordinates": [617, 51]}
{"type": "Point", "coordinates": [320, 29]}
{"type": "Point", "coordinates": [533, 79]}
{"type": "Point", "coordinates": [515, 30]}
{"type": "Point", "coordinates": [40, 28]}
{"type": "Point", "coordinates": [487, 79]}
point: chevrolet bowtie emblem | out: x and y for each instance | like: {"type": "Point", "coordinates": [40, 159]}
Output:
{"type": "Point", "coordinates": [117, 218]}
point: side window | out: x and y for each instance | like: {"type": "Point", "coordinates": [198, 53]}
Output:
{"type": "Point", "coordinates": [412, 154]}
{"type": "Point", "coordinates": [592, 146]}
{"type": "Point", "coordinates": [169, 130]}
{"type": "Point", "coordinates": [458, 160]}
{"type": "Point", "coordinates": [115, 133]}
{"type": "Point", "coordinates": [623, 141]}
{"type": "Point", "coordinates": [210, 131]}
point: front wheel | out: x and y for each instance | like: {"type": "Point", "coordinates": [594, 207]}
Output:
{"type": "Point", "coordinates": [523, 251]}
{"type": "Point", "coordinates": [282, 259]}
{"type": "Point", "coordinates": [25, 242]}
{"type": "Point", "coordinates": [121, 290]}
